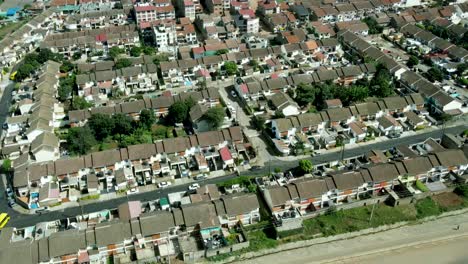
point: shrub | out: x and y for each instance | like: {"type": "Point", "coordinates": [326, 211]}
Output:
{"type": "Point", "coordinates": [421, 186]}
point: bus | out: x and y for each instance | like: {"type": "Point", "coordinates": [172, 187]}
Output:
{"type": "Point", "coordinates": [4, 218]}
{"type": "Point", "coordinates": [13, 75]}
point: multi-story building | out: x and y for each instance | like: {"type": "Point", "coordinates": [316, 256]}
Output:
{"type": "Point", "coordinates": [165, 36]}
{"type": "Point", "coordinates": [247, 22]}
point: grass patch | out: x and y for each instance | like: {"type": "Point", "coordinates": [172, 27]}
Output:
{"type": "Point", "coordinates": [427, 207]}
{"type": "Point", "coordinates": [259, 240]}
{"type": "Point", "coordinates": [355, 219]}
{"type": "Point", "coordinates": [90, 197]}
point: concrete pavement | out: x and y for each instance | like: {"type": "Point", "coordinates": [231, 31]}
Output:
{"type": "Point", "coordinates": [402, 244]}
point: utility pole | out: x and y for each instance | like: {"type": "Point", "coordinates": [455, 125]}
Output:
{"type": "Point", "coordinates": [372, 213]}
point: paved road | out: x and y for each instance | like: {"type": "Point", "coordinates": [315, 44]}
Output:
{"type": "Point", "coordinates": [431, 242]}
{"type": "Point", "coordinates": [22, 220]}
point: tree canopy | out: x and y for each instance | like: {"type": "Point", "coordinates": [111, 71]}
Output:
{"type": "Point", "coordinates": [123, 63]}
{"type": "Point", "coordinates": [381, 85]}
{"type": "Point", "coordinates": [435, 74]}
{"type": "Point", "coordinates": [135, 51]}
{"type": "Point", "coordinates": [412, 61]}
{"type": "Point", "coordinates": [66, 85]}
{"type": "Point", "coordinates": [230, 67]}
{"type": "Point", "coordinates": [122, 124]}
{"type": "Point", "coordinates": [80, 140]}
{"type": "Point", "coordinates": [178, 112]}
{"type": "Point", "coordinates": [147, 118]}
{"type": "Point", "coordinates": [306, 166]}
{"type": "Point", "coordinates": [114, 52]}
{"type": "Point", "coordinates": [79, 103]}
{"type": "Point", "coordinates": [101, 125]}
{"type": "Point", "coordinates": [215, 116]}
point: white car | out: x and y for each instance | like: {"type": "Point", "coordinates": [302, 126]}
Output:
{"type": "Point", "coordinates": [132, 191]}
{"type": "Point", "coordinates": [164, 184]}
{"type": "Point", "coordinates": [194, 186]}
{"type": "Point", "coordinates": [233, 93]}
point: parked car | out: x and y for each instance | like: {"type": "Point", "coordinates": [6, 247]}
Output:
{"type": "Point", "coordinates": [233, 93]}
{"type": "Point", "coordinates": [164, 184]}
{"type": "Point", "coordinates": [254, 168]}
{"type": "Point", "coordinates": [194, 186]}
{"type": "Point", "coordinates": [42, 210]}
{"type": "Point", "coordinates": [201, 177]}
{"type": "Point", "coordinates": [9, 192]}
{"type": "Point", "coordinates": [133, 191]}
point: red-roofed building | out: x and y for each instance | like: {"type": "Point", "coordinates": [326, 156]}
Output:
{"type": "Point", "coordinates": [226, 156]}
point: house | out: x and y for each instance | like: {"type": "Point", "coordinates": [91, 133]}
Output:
{"type": "Point", "coordinates": [226, 157]}
{"type": "Point", "coordinates": [348, 185]}
{"type": "Point", "coordinates": [283, 104]}
{"type": "Point", "coordinates": [414, 120]}
{"type": "Point", "coordinates": [243, 208]}
{"type": "Point", "coordinates": [129, 210]}
{"type": "Point", "coordinates": [389, 126]}
{"type": "Point", "coordinates": [333, 103]}
{"type": "Point", "coordinates": [49, 194]}
{"type": "Point", "coordinates": [45, 147]}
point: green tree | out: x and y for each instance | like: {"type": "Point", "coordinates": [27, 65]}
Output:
{"type": "Point", "coordinates": [64, 92]}
{"type": "Point", "coordinates": [123, 63]}
{"type": "Point", "coordinates": [461, 68]}
{"type": "Point", "coordinates": [306, 166]}
{"type": "Point", "coordinates": [135, 51]}
{"type": "Point", "coordinates": [222, 51]}
{"type": "Point", "coordinates": [66, 85]}
{"type": "Point", "coordinates": [147, 118]}
{"type": "Point", "coordinates": [381, 85]}
{"type": "Point", "coordinates": [412, 61]}
{"type": "Point", "coordinates": [122, 124]}
{"type": "Point", "coordinates": [101, 125]}
{"type": "Point", "coordinates": [79, 103]}
{"type": "Point", "coordinates": [305, 94]}
{"type": "Point", "coordinates": [114, 52]}
{"type": "Point", "coordinates": [299, 147]}
{"type": "Point", "coordinates": [230, 67]}
{"type": "Point", "coordinates": [147, 50]}
{"type": "Point", "coordinates": [159, 131]}
{"type": "Point", "coordinates": [215, 116]}
{"type": "Point", "coordinates": [435, 74]}
{"type": "Point", "coordinates": [259, 122]}
{"type": "Point", "coordinates": [77, 55]}
{"type": "Point", "coordinates": [66, 66]}
{"type": "Point", "coordinates": [178, 112]}
{"type": "Point", "coordinates": [44, 55]}
{"type": "Point", "coordinates": [6, 166]}
{"type": "Point", "coordinates": [24, 71]}
{"type": "Point", "coordinates": [254, 64]}
{"type": "Point", "coordinates": [160, 57]}
{"type": "Point", "coordinates": [374, 27]}
{"type": "Point", "coordinates": [80, 140]}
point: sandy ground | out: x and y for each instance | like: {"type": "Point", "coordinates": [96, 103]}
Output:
{"type": "Point", "coordinates": [431, 242]}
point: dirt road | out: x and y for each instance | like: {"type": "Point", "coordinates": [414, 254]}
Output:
{"type": "Point", "coordinates": [432, 242]}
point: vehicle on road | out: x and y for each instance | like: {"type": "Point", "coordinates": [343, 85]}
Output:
{"type": "Point", "coordinates": [132, 191]}
{"type": "Point", "coordinates": [201, 177]}
{"type": "Point", "coordinates": [4, 218]}
{"type": "Point", "coordinates": [164, 184]}
{"type": "Point", "coordinates": [194, 186]}
{"type": "Point", "coordinates": [9, 192]}
{"type": "Point", "coordinates": [13, 76]}
{"type": "Point", "coordinates": [254, 168]}
{"type": "Point", "coordinates": [11, 202]}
